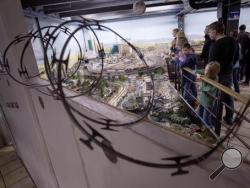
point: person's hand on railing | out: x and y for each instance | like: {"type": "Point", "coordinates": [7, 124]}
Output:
{"type": "Point", "coordinates": [198, 76]}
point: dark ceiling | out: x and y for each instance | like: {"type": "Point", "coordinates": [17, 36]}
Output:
{"type": "Point", "coordinates": [100, 9]}
{"type": "Point", "coordinates": [104, 9]}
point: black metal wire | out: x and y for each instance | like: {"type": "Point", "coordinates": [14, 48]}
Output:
{"type": "Point", "coordinates": [128, 158]}
{"type": "Point", "coordinates": [93, 136]}
{"type": "Point", "coordinates": [84, 25]}
{"type": "Point", "coordinates": [29, 37]}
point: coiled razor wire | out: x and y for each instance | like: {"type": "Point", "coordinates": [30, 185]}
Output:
{"type": "Point", "coordinates": [93, 136]}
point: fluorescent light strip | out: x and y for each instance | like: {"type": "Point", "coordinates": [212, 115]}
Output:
{"type": "Point", "coordinates": [162, 8]}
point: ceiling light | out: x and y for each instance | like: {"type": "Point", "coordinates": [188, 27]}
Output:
{"type": "Point", "coordinates": [162, 8]}
{"type": "Point", "coordinates": [139, 7]}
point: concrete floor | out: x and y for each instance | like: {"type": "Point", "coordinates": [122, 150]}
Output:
{"type": "Point", "coordinates": [12, 172]}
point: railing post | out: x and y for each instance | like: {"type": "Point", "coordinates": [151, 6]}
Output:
{"type": "Point", "coordinates": [175, 76]}
{"type": "Point", "coordinates": [218, 110]}
{"type": "Point", "coordinates": [180, 85]}
{"type": "Point", "coordinates": [179, 78]}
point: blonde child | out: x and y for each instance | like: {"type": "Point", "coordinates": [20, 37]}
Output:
{"type": "Point", "coordinates": [208, 92]}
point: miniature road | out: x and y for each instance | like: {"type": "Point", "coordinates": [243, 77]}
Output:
{"type": "Point", "coordinates": [121, 92]}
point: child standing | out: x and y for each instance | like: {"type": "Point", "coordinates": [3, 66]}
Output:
{"type": "Point", "coordinates": [188, 60]}
{"type": "Point", "coordinates": [207, 91]}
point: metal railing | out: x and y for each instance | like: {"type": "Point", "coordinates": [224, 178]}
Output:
{"type": "Point", "coordinates": [215, 113]}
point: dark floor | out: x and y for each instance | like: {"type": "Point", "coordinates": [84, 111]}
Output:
{"type": "Point", "coordinates": [12, 172]}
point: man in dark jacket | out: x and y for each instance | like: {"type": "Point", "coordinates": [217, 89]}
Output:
{"type": "Point", "coordinates": [223, 51]}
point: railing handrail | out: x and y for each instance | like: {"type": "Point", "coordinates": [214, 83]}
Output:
{"type": "Point", "coordinates": [221, 87]}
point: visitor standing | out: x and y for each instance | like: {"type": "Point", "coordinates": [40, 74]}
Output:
{"type": "Point", "coordinates": [223, 51]}
{"type": "Point", "coordinates": [208, 92]}
{"type": "Point", "coordinates": [187, 59]}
